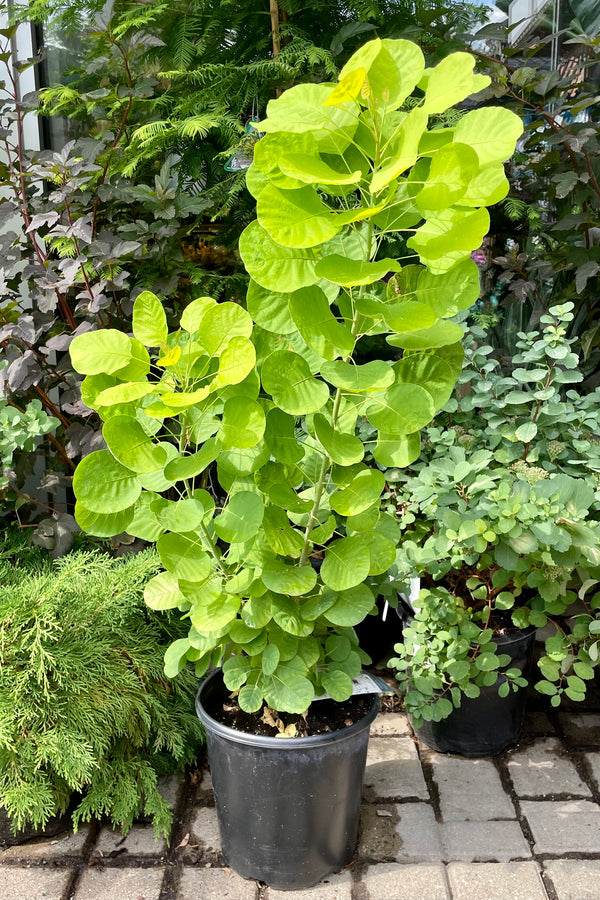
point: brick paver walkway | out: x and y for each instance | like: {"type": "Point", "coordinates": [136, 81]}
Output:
{"type": "Point", "coordinates": [524, 826]}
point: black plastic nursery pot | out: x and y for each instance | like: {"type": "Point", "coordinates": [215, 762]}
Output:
{"type": "Point", "coordinates": [287, 808]}
{"type": "Point", "coordinates": [488, 724]}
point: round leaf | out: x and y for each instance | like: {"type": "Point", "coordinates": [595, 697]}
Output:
{"type": "Point", "coordinates": [296, 218]}
{"type": "Point", "coordinates": [401, 409]}
{"type": "Point", "coordinates": [317, 324]}
{"type": "Point", "coordinates": [149, 320]}
{"type": "Point", "coordinates": [103, 525]}
{"type": "Point", "coordinates": [353, 272]}
{"type": "Point", "coordinates": [162, 592]}
{"type": "Point", "coordinates": [183, 555]}
{"type": "Point", "coordinates": [103, 485]}
{"type": "Point", "coordinates": [241, 518]}
{"type": "Point", "coordinates": [269, 309]}
{"type": "Point", "coordinates": [288, 579]}
{"type": "Point", "coordinates": [393, 67]}
{"type": "Point", "coordinates": [243, 423]}
{"type": "Point", "coordinates": [492, 132]}
{"type": "Point", "coordinates": [363, 492]}
{"type": "Point", "coordinates": [286, 376]}
{"type": "Point", "coordinates": [344, 449]}
{"type": "Point", "coordinates": [452, 81]}
{"type": "Point", "coordinates": [100, 352]}
{"type": "Point", "coordinates": [439, 335]}
{"type": "Point", "coordinates": [131, 446]}
{"type": "Point", "coordinates": [277, 268]}
{"type": "Point", "coordinates": [397, 449]}
{"type": "Point", "coordinates": [346, 564]}
{"type": "Point", "coordinates": [351, 606]}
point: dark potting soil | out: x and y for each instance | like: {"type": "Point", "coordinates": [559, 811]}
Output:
{"type": "Point", "coordinates": [322, 717]}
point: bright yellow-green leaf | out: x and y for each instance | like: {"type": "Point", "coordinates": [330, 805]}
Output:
{"type": "Point", "coordinates": [353, 272]}
{"type": "Point", "coordinates": [363, 492]}
{"type": "Point", "coordinates": [195, 312]}
{"type": "Point", "coordinates": [105, 351]}
{"type": "Point", "coordinates": [491, 131]}
{"type": "Point", "coordinates": [126, 392]}
{"type": "Point", "coordinates": [296, 218]}
{"type": "Point", "coordinates": [397, 449]}
{"type": "Point", "coordinates": [132, 446]}
{"type": "Point", "coordinates": [393, 69]}
{"type": "Point", "coordinates": [243, 423]}
{"type": "Point", "coordinates": [348, 87]}
{"type": "Point", "coordinates": [439, 335]}
{"type": "Point", "coordinates": [449, 293]}
{"type": "Point", "coordinates": [149, 320]}
{"type": "Point", "coordinates": [162, 592]}
{"type": "Point", "coordinates": [317, 324]}
{"type": "Point", "coordinates": [103, 525]}
{"type": "Point", "coordinates": [171, 358]}
{"type": "Point", "coordinates": [343, 449]}
{"type": "Point", "coordinates": [401, 150]}
{"type": "Point", "coordinates": [452, 81]}
{"type": "Point", "coordinates": [269, 309]}
{"type": "Point", "coordinates": [278, 268]}
{"type": "Point", "coordinates": [371, 376]}
{"type": "Point", "coordinates": [286, 377]}
{"type": "Point", "coordinates": [103, 485]}
{"type": "Point", "coordinates": [401, 409]}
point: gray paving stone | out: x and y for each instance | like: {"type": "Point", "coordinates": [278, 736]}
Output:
{"type": "Point", "coordinates": [170, 787]}
{"type": "Point", "coordinates": [137, 842]}
{"type": "Point", "coordinates": [119, 884]}
{"type": "Point", "coordinates": [409, 833]}
{"type": "Point", "coordinates": [563, 826]}
{"type": "Point", "coordinates": [205, 829]}
{"type": "Point", "coordinates": [582, 728]}
{"type": "Point", "coordinates": [574, 879]}
{"type": "Point", "coordinates": [390, 881]}
{"type": "Point", "coordinates": [206, 782]}
{"type": "Point", "coordinates": [32, 884]}
{"type": "Point", "coordinates": [214, 884]}
{"type": "Point", "coordinates": [594, 763]}
{"type": "Point", "coordinates": [470, 789]}
{"type": "Point", "coordinates": [496, 881]}
{"type": "Point", "coordinates": [334, 887]}
{"type": "Point", "coordinates": [541, 771]}
{"type": "Point", "coordinates": [493, 842]}
{"type": "Point", "coordinates": [390, 723]}
{"type": "Point", "coordinates": [67, 844]}
{"type": "Point", "coordinates": [393, 770]}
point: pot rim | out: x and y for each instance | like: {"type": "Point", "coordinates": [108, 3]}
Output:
{"type": "Point", "coordinates": [518, 634]}
{"type": "Point", "coordinates": [259, 740]}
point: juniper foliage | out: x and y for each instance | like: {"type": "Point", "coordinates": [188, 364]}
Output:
{"type": "Point", "coordinates": [84, 705]}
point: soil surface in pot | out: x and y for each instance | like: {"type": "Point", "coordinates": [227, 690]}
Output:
{"type": "Point", "coordinates": [322, 717]}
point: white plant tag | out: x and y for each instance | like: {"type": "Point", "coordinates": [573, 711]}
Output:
{"type": "Point", "coordinates": [365, 683]}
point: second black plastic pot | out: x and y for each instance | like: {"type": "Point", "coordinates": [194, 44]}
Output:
{"type": "Point", "coordinates": [488, 724]}
{"type": "Point", "coordinates": [288, 808]}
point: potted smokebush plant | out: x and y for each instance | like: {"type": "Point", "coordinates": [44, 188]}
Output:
{"type": "Point", "coordinates": [271, 395]}
{"type": "Point", "coordinates": [499, 520]}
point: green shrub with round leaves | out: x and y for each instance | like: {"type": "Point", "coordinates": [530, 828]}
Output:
{"type": "Point", "coordinates": [272, 394]}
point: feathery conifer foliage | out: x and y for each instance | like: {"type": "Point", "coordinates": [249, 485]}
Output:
{"type": "Point", "coordinates": [84, 705]}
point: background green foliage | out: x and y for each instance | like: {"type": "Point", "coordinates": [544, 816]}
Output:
{"type": "Point", "coordinates": [547, 249]}
{"type": "Point", "coordinates": [84, 706]}
{"type": "Point", "coordinates": [500, 519]}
